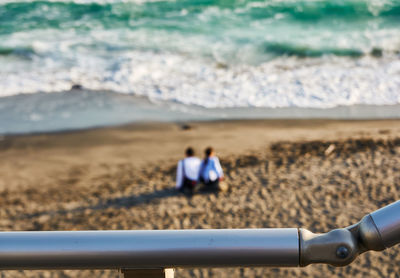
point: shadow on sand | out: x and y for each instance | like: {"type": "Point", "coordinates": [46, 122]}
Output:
{"type": "Point", "coordinates": [121, 202]}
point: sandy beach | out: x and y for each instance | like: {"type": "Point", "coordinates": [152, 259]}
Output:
{"type": "Point", "coordinates": [316, 174]}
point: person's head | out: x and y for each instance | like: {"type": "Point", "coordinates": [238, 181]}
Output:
{"type": "Point", "coordinates": [209, 151]}
{"type": "Point", "coordinates": [189, 152]}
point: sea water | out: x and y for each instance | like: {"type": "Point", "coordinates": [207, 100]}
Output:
{"type": "Point", "coordinates": [212, 54]}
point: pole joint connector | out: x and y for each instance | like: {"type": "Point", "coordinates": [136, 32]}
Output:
{"type": "Point", "coordinates": [337, 247]}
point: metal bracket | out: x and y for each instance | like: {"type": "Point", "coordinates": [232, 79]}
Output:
{"type": "Point", "coordinates": [148, 273]}
{"type": "Point", "coordinates": [376, 231]}
{"type": "Point", "coordinates": [338, 247]}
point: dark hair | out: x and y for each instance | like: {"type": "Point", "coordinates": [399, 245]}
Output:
{"type": "Point", "coordinates": [208, 151]}
{"type": "Point", "coordinates": [189, 151]}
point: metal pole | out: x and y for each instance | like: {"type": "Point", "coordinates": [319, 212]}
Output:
{"type": "Point", "coordinates": [199, 248]}
{"type": "Point", "coordinates": [387, 221]}
{"type": "Point", "coordinates": [149, 249]}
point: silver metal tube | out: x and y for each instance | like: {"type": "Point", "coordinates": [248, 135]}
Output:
{"type": "Point", "coordinates": [199, 248]}
{"type": "Point", "coordinates": [149, 249]}
{"type": "Point", "coordinates": [387, 221]}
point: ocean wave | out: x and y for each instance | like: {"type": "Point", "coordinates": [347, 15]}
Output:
{"type": "Point", "coordinates": [316, 9]}
{"type": "Point", "coordinates": [285, 82]}
{"type": "Point", "coordinates": [345, 28]}
{"type": "Point", "coordinates": [109, 14]}
{"type": "Point", "coordinates": [206, 52]}
{"type": "Point", "coordinates": [300, 9]}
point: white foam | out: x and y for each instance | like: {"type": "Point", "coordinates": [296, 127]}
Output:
{"type": "Point", "coordinates": [183, 73]}
{"type": "Point", "coordinates": [285, 82]}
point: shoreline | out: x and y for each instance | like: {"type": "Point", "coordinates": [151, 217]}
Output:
{"type": "Point", "coordinates": [186, 124]}
{"type": "Point", "coordinates": [82, 109]}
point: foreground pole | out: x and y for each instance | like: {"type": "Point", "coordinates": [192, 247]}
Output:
{"type": "Point", "coordinates": [132, 251]}
{"type": "Point", "coordinates": [149, 249]}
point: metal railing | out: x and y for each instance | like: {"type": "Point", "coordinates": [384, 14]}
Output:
{"type": "Point", "coordinates": [166, 249]}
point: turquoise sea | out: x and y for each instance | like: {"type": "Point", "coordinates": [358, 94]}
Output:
{"type": "Point", "coordinates": [212, 54]}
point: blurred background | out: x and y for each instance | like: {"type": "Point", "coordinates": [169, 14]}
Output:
{"type": "Point", "coordinates": [195, 59]}
{"type": "Point", "coordinates": [299, 98]}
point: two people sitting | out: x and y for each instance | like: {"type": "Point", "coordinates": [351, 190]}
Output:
{"type": "Point", "coordinates": [191, 170]}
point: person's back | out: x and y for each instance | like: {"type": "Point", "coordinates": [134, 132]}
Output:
{"type": "Point", "coordinates": [211, 171]}
{"type": "Point", "coordinates": [188, 171]}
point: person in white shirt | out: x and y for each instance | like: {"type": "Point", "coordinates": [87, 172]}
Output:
{"type": "Point", "coordinates": [210, 170]}
{"type": "Point", "coordinates": [187, 172]}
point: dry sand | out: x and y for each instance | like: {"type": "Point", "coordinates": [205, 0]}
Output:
{"type": "Point", "coordinates": [315, 174]}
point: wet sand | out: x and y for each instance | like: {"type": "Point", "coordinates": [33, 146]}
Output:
{"type": "Point", "coordinates": [316, 174]}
